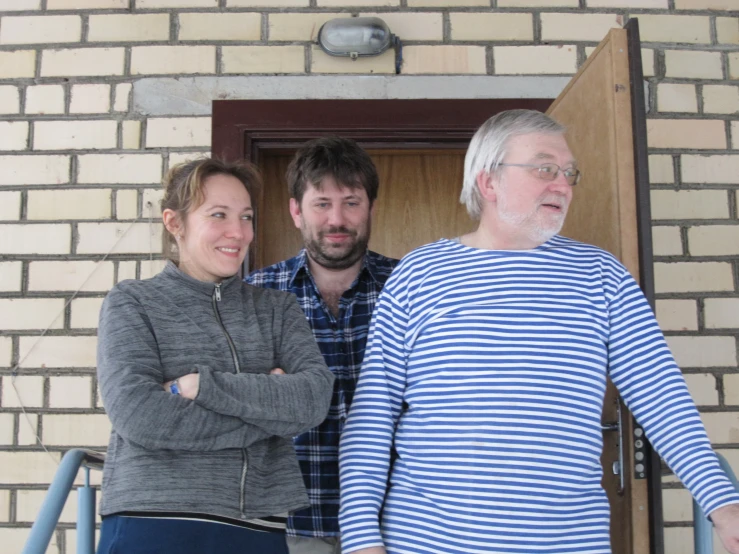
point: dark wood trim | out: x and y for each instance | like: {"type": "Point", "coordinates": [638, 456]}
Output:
{"type": "Point", "coordinates": [646, 262]}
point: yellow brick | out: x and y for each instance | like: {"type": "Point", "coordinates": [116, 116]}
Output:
{"type": "Point", "coordinates": [151, 268]}
{"type": "Point", "coordinates": [709, 169]}
{"type": "Point", "coordinates": [90, 99]}
{"type": "Point", "coordinates": [721, 99]}
{"type": "Point", "coordinates": [220, 26]}
{"type": "Point", "coordinates": [152, 201]}
{"type": "Point", "coordinates": [647, 62]}
{"type": "Point", "coordinates": [677, 315]}
{"type": "Point", "coordinates": [447, 3]}
{"type": "Point", "coordinates": [678, 505]}
{"type": "Point", "coordinates": [713, 240]}
{"type": "Point", "coordinates": [731, 389]}
{"type": "Point", "coordinates": [722, 313]}
{"type": "Point", "coordinates": [705, 4]}
{"type": "Point", "coordinates": [735, 136]}
{"type": "Point", "coordinates": [413, 26]}
{"type": "Point", "coordinates": [181, 157]}
{"type": "Point", "coordinates": [28, 431]}
{"type": "Point", "coordinates": [518, 60]}
{"type": "Point", "coordinates": [34, 170]}
{"type": "Point", "coordinates": [264, 59]}
{"type": "Point", "coordinates": [537, 3]}
{"type": "Point", "coordinates": [31, 313]}
{"type": "Point", "coordinates": [18, 64]}
{"type": "Point", "coordinates": [5, 497]}
{"type": "Point", "coordinates": [686, 133]}
{"type": "Point", "coordinates": [444, 59]}
{"type": "Point", "coordinates": [69, 204]}
{"type": "Point", "coordinates": [70, 391]}
{"type": "Point", "coordinates": [45, 29]}
{"type": "Point", "coordinates": [660, 169]}
{"type": "Point", "coordinates": [65, 135]}
{"type": "Point", "coordinates": [10, 281]}
{"type": "Point", "coordinates": [172, 59]}
{"type": "Point", "coordinates": [120, 168]}
{"type": "Point", "coordinates": [267, 3]}
{"type": "Point", "coordinates": [672, 97]}
{"type": "Point", "coordinates": [689, 204]}
{"type": "Point", "coordinates": [491, 26]}
{"type": "Point", "coordinates": [10, 206]}
{"type": "Point", "coordinates": [703, 351]}
{"type": "Point", "coordinates": [693, 65]}
{"type": "Point", "coordinates": [85, 313]}
{"type": "Point", "coordinates": [152, 4]}
{"type": "Point", "coordinates": [703, 389]}
{"type": "Point", "coordinates": [354, 3]}
{"type": "Point", "coordinates": [691, 29]}
{"type": "Point", "coordinates": [57, 352]}
{"type": "Point", "coordinates": [30, 389]}
{"type": "Point", "coordinates": [45, 99]}
{"type": "Point", "coordinates": [734, 65]}
{"type": "Point", "coordinates": [122, 95]}
{"type": "Point", "coordinates": [126, 270]}
{"type": "Point", "coordinates": [99, 238]}
{"type": "Point", "coordinates": [70, 276]}
{"type": "Point", "coordinates": [126, 204]}
{"type": "Point", "coordinates": [293, 26]}
{"type": "Point", "coordinates": [87, 4]}
{"type": "Point", "coordinates": [722, 427]}
{"type": "Point", "coordinates": [20, 5]}
{"type": "Point", "coordinates": [14, 539]}
{"type": "Point", "coordinates": [384, 63]}
{"type": "Point", "coordinates": [76, 430]}
{"type": "Point", "coordinates": [131, 134]}
{"type": "Point", "coordinates": [180, 131]}
{"type": "Point", "coordinates": [129, 28]}
{"type": "Point", "coordinates": [666, 241]}
{"type": "Point", "coordinates": [35, 239]}
{"type": "Point", "coordinates": [28, 504]}
{"type": "Point", "coordinates": [569, 27]}
{"type": "Point", "coordinates": [7, 436]}
{"type": "Point", "coordinates": [13, 135]}
{"type": "Point", "coordinates": [9, 99]}
{"type": "Point", "coordinates": [78, 62]}
{"type": "Point", "coordinates": [727, 30]}
{"type": "Point", "coordinates": [693, 277]}
{"type": "Point", "coordinates": [6, 343]}
{"type": "Point", "coordinates": [656, 4]}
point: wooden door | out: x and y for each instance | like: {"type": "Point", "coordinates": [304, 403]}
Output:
{"type": "Point", "coordinates": [596, 107]}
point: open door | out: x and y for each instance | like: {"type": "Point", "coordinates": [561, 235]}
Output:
{"type": "Point", "coordinates": [419, 146]}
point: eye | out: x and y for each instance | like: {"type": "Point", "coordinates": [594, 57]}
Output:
{"type": "Point", "coordinates": [570, 172]}
{"type": "Point", "coordinates": [548, 168]}
{"type": "Point", "coordinates": [248, 217]}
{"type": "Point", "coordinates": [322, 205]}
{"type": "Point", "coordinates": [219, 215]}
{"type": "Point", "coordinates": [353, 204]}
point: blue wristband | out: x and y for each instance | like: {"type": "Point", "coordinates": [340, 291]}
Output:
{"type": "Point", "coordinates": [174, 387]}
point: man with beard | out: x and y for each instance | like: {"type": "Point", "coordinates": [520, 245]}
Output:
{"type": "Point", "coordinates": [486, 373]}
{"type": "Point", "coordinates": [333, 185]}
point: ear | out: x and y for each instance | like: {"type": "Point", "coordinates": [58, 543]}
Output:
{"type": "Point", "coordinates": [487, 185]}
{"type": "Point", "coordinates": [172, 222]}
{"type": "Point", "coordinates": [295, 212]}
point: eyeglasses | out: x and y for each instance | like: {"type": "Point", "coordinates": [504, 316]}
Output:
{"type": "Point", "coordinates": [549, 172]}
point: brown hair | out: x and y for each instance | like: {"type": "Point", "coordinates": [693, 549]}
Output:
{"type": "Point", "coordinates": [341, 158]}
{"type": "Point", "coordinates": [183, 190]}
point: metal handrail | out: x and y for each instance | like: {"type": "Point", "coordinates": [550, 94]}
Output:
{"type": "Point", "coordinates": [56, 497]}
{"type": "Point", "coordinates": [702, 526]}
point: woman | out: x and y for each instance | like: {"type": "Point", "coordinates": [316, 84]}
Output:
{"type": "Point", "coordinates": [205, 380]}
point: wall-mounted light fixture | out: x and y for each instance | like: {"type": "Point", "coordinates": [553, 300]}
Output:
{"type": "Point", "coordinates": [353, 37]}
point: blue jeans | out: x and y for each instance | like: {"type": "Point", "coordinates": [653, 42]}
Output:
{"type": "Point", "coordinates": [141, 535]}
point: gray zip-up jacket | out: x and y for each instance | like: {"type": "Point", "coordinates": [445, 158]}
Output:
{"type": "Point", "coordinates": [229, 452]}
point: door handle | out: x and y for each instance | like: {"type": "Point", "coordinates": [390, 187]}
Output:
{"type": "Point", "coordinates": [618, 467]}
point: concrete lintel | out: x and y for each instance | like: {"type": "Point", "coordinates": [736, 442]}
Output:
{"type": "Point", "coordinates": [193, 95]}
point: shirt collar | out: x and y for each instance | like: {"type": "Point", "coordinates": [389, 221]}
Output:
{"type": "Point", "coordinates": [301, 265]}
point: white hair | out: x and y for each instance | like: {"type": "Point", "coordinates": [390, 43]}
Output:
{"type": "Point", "coordinates": [488, 148]}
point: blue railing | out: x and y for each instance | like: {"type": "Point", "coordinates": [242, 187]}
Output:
{"type": "Point", "coordinates": [702, 527]}
{"type": "Point", "coordinates": [56, 497]}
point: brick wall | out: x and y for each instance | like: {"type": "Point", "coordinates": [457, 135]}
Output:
{"type": "Point", "coordinates": [80, 163]}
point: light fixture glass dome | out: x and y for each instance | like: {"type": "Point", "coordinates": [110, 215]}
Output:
{"type": "Point", "coordinates": [355, 36]}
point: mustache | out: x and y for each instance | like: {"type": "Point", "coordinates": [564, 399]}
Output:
{"type": "Point", "coordinates": [335, 230]}
{"type": "Point", "coordinates": [558, 199]}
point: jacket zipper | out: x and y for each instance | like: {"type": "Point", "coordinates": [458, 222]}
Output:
{"type": "Point", "coordinates": [232, 347]}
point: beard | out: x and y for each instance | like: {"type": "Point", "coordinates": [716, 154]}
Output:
{"type": "Point", "coordinates": [330, 256]}
{"type": "Point", "coordinates": [538, 228]}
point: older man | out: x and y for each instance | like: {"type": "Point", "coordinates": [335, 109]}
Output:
{"type": "Point", "coordinates": [486, 370]}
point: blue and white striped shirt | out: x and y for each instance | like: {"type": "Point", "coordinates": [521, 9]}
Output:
{"type": "Point", "coordinates": [341, 341]}
{"type": "Point", "coordinates": [486, 371]}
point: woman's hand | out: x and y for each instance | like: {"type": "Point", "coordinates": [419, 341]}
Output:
{"type": "Point", "coordinates": [189, 385]}
{"type": "Point", "coordinates": [277, 371]}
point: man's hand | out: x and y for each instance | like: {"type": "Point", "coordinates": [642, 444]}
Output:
{"type": "Point", "coordinates": [372, 550]}
{"type": "Point", "coordinates": [189, 385]}
{"type": "Point", "coordinates": [726, 522]}
{"type": "Point", "coordinates": [277, 371]}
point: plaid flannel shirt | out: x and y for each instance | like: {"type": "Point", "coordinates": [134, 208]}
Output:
{"type": "Point", "coordinates": [342, 341]}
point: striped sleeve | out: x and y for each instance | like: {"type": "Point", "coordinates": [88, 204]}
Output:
{"type": "Point", "coordinates": [654, 389]}
{"type": "Point", "coordinates": [368, 435]}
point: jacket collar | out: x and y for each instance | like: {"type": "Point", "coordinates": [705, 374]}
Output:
{"type": "Point", "coordinates": [173, 273]}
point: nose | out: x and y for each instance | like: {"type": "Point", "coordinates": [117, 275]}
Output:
{"type": "Point", "coordinates": [336, 216]}
{"type": "Point", "coordinates": [234, 229]}
{"type": "Point", "coordinates": [560, 185]}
